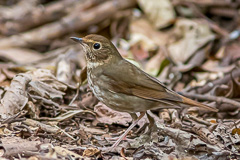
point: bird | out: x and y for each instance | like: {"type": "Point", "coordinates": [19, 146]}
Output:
{"type": "Point", "coordinates": [123, 86]}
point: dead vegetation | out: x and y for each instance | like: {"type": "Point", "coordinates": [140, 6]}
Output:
{"type": "Point", "coordinates": [191, 46]}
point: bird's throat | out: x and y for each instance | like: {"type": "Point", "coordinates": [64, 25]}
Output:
{"type": "Point", "coordinates": [96, 63]}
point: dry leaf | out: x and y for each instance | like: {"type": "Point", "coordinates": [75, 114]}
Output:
{"type": "Point", "coordinates": [142, 32]}
{"type": "Point", "coordinates": [108, 116]}
{"type": "Point", "coordinates": [39, 84]}
{"type": "Point", "coordinates": [15, 97]}
{"type": "Point", "coordinates": [236, 131]}
{"type": "Point", "coordinates": [205, 134]}
{"type": "Point", "coordinates": [188, 37]}
{"type": "Point", "coordinates": [91, 152]}
{"type": "Point", "coordinates": [66, 153]}
{"type": "Point", "coordinates": [160, 13]}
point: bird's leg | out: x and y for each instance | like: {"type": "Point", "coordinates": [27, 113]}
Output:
{"type": "Point", "coordinates": [134, 116]}
{"type": "Point", "coordinates": [151, 125]}
{"type": "Point", "coordinates": [82, 78]}
{"type": "Point", "coordinates": [77, 94]}
{"type": "Point", "coordinates": [134, 123]}
{"type": "Point", "coordinates": [151, 121]}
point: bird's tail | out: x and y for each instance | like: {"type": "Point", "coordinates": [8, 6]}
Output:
{"type": "Point", "coordinates": [194, 103]}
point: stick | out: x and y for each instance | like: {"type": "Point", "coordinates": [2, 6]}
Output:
{"type": "Point", "coordinates": [75, 21]}
{"type": "Point", "coordinates": [224, 80]}
{"type": "Point", "coordinates": [38, 15]}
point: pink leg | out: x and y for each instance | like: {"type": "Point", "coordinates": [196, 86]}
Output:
{"type": "Point", "coordinates": [134, 123]}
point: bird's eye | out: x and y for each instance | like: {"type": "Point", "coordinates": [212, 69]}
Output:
{"type": "Point", "coordinates": [96, 45]}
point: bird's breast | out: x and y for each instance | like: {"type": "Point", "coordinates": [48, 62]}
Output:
{"type": "Point", "coordinates": [94, 85]}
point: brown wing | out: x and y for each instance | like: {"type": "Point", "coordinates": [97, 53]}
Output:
{"type": "Point", "coordinates": [135, 82]}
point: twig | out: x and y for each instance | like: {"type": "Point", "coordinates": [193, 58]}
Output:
{"type": "Point", "coordinates": [44, 127]}
{"type": "Point", "coordinates": [82, 78]}
{"type": "Point", "coordinates": [65, 132]}
{"type": "Point", "coordinates": [226, 12]}
{"type": "Point", "coordinates": [75, 21]}
{"type": "Point", "coordinates": [198, 120]}
{"type": "Point", "coordinates": [15, 118]}
{"type": "Point", "coordinates": [212, 98]}
{"type": "Point", "coordinates": [224, 80]}
{"type": "Point", "coordinates": [184, 138]}
{"type": "Point", "coordinates": [216, 3]}
{"type": "Point", "coordinates": [34, 16]}
{"type": "Point", "coordinates": [77, 94]}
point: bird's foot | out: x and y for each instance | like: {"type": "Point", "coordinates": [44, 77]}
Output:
{"type": "Point", "coordinates": [128, 130]}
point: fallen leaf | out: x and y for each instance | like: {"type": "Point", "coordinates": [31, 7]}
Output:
{"type": "Point", "coordinates": [236, 131]}
{"type": "Point", "coordinates": [231, 90]}
{"type": "Point", "coordinates": [91, 152]}
{"type": "Point", "coordinates": [142, 32]}
{"type": "Point", "coordinates": [15, 97]}
{"type": "Point", "coordinates": [214, 66]}
{"type": "Point", "coordinates": [66, 153]}
{"type": "Point", "coordinates": [187, 38]}
{"type": "Point", "coordinates": [108, 116]}
{"type": "Point", "coordinates": [160, 13]}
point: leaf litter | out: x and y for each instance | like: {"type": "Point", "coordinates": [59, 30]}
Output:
{"type": "Point", "coordinates": [185, 44]}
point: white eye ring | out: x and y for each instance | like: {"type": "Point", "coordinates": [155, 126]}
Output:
{"type": "Point", "coordinates": [97, 46]}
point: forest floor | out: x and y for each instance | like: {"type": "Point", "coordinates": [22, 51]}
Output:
{"type": "Point", "coordinates": [191, 46]}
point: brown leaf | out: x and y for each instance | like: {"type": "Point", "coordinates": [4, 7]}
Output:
{"type": "Point", "coordinates": [108, 116]}
{"type": "Point", "coordinates": [91, 152]}
{"type": "Point", "coordinates": [214, 66]}
{"type": "Point", "coordinates": [236, 131]}
{"type": "Point", "coordinates": [15, 97]}
{"type": "Point", "coordinates": [139, 52]}
{"type": "Point", "coordinates": [188, 37]}
{"type": "Point", "coordinates": [231, 54]}
{"type": "Point", "coordinates": [231, 90]}
{"type": "Point", "coordinates": [88, 100]}
{"type": "Point", "coordinates": [160, 13]}
{"type": "Point", "coordinates": [66, 153]}
{"type": "Point", "coordinates": [205, 134]}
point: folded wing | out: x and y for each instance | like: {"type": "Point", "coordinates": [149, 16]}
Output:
{"type": "Point", "coordinates": [138, 83]}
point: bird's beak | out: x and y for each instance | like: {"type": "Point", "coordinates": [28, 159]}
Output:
{"type": "Point", "coordinates": [79, 40]}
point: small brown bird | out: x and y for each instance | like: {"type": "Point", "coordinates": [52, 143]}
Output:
{"type": "Point", "coordinates": [124, 87]}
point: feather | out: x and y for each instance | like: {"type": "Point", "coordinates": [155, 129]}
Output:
{"type": "Point", "coordinates": [138, 83]}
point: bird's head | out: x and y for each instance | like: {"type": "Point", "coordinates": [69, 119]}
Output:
{"type": "Point", "coordinates": [97, 48]}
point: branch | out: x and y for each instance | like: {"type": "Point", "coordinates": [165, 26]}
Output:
{"type": "Point", "coordinates": [235, 73]}
{"type": "Point", "coordinates": [36, 16]}
{"type": "Point", "coordinates": [76, 21]}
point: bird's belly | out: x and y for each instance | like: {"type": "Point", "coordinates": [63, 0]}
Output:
{"type": "Point", "coordinates": [118, 101]}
